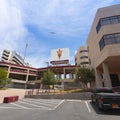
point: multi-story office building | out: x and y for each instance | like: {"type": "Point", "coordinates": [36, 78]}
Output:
{"type": "Point", "coordinates": [104, 46]}
{"type": "Point", "coordinates": [13, 57]}
{"type": "Point", "coordinates": [81, 57]}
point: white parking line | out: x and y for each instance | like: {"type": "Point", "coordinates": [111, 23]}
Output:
{"type": "Point", "coordinates": [10, 107]}
{"type": "Point", "coordinates": [87, 106]}
{"type": "Point", "coordinates": [58, 104]}
{"type": "Point", "coordinates": [19, 106]}
{"type": "Point", "coordinates": [73, 100]}
{"type": "Point", "coordinates": [34, 105]}
{"type": "Point", "coordinates": [38, 102]}
{"type": "Point", "coordinates": [46, 101]}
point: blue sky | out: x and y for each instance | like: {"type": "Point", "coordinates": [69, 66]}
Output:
{"type": "Point", "coordinates": [35, 21]}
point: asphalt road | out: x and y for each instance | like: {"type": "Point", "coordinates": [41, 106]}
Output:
{"type": "Point", "coordinates": [52, 109]}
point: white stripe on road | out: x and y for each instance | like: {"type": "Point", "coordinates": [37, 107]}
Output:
{"type": "Point", "coordinates": [19, 106]}
{"type": "Point", "coordinates": [38, 102]}
{"type": "Point", "coordinates": [34, 105]}
{"type": "Point", "coordinates": [71, 100]}
{"type": "Point", "coordinates": [10, 107]}
{"type": "Point", "coordinates": [58, 104]}
{"type": "Point", "coordinates": [52, 102]}
{"type": "Point", "coordinates": [87, 106]}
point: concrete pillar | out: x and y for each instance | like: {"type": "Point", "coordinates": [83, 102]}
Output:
{"type": "Point", "coordinates": [41, 86]}
{"type": "Point", "coordinates": [70, 76]}
{"type": "Point", "coordinates": [98, 78]}
{"type": "Point", "coordinates": [8, 71]}
{"type": "Point", "coordinates": [106, 76]}
{"type": "Point", "coordinates": [62, 85]}
{"type": "Point", "coordinates": [27, 76]}
{"type": "Point", "coordinates": [26, 79]}
{"type": "Point", "coordinates": [64, 73]}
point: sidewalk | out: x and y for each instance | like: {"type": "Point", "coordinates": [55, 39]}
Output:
{"type": "Point", "coordinates": [11, 92]}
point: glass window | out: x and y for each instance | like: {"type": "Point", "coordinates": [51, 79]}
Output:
{"type": "Point", "coordinates": [102, 43]}
{"type": "Point", "coordinates": [119, 19]}
{"type": "Point", "coordinates": [98, 26]}
{"type": "Point", "coordinates": [117, 35]}
{"type": "Point", "coordinates": [84, 63]}
{"type": "Point", "coordinates": [82, 57]}
{"type": "Point", "coordinates": [109, 39]}
{"type": "Point", "coordinates": [105, 21]}
{"type": "Point", "coordinates": [114, 20]}
{"type": "Point", "coordinates": [108, 36]}
{"type": "Point", "coordinates": [83, 51]}
{"type": "Point", "coordinates": [117, 38]}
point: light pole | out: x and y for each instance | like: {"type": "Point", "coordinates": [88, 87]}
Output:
{"type": "Point", "coordinates": [47, 64]}
{"type": "Point", "coordinates": [25, 51]}
{"type": "Point", "coordinates": [28, 70]}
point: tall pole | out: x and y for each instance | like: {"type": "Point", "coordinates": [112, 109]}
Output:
{"type": "Point", "coordinates": [25, 51]}
{"type": "Point", "coordinates": [47, 64]}
{"type": "Point", "coordinates": [28, 70]}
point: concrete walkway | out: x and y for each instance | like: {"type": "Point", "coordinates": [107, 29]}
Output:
{"type": "Point", "coordinates": [11, 92]}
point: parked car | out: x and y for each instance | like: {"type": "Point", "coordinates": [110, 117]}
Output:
{"type": "Point", "coordinates": [105, 98]}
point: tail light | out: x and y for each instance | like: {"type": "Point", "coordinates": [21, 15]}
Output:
{"type": "Point", "coordinates": [101, 99]}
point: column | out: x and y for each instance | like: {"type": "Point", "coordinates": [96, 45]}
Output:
{"type": "Point", "coordinates": [26, 79]}
{"type": "Point", "coordinates": [64, 73]}
{"type": "Point", "coordinates": [8, 71]}
{"type": "Point", "coordinates": [106, 75]}
{"type": "Point", "coordinates": [98, 78]}
{"type": "Point", "coordinates": [64, 78]}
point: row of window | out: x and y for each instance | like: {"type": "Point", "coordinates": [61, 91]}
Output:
{"type": "Point", "coordinates": [109, 39]}
{"type": "Point", "coordinates": [83, 63]}
{"type": "Point", "coordinates": [107, 21]}
{"type": "Point", "coordinates": [83, 51]}
{"type": "Point", "coordinates": [82, 57]}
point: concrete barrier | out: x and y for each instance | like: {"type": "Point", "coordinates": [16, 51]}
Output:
{"type": "Point", "coordinates": [10, 99]}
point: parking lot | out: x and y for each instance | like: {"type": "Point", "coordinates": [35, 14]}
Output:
{"type": "Point", "coordinates": [32, 104]}
{"type": "Point", "coordinates": [54, 109]}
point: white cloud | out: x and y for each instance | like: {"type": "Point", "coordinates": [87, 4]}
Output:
{"type": "Point", "coordinates": [38, 61]}
{"type": "Point", "coordinates": [67, 18]}
{"type": "Point", "coordinates": [12, 29]}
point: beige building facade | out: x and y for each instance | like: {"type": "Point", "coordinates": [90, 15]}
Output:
{"type": "Point", "coordinates": [104, 46]}
{"type": "Point", "coordinates": [81, 57]}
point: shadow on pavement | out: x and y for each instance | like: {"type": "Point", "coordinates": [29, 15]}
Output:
{"type": "Point", "coordinates": [105, 112]}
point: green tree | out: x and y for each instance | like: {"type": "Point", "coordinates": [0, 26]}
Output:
{"type": "Point", "coordinates": [48, 79]}
{"type": "Point", "coordinates": [77, 73]}
{"type": "Point", "coordinates": [85, 75]}
{"type": "Point", "coordinates": [3, 78]}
